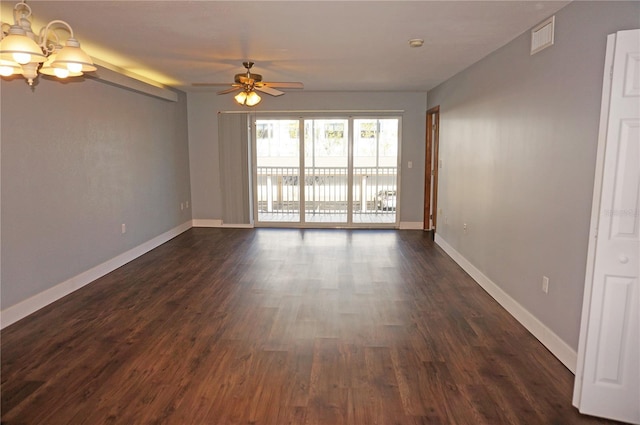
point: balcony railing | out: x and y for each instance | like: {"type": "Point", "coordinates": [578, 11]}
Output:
{"type": "Point", "coordinates": [374, 190]}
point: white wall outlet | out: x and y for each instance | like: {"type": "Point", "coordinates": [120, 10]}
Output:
{"type": "Point", "coordinates": [124, 228]}
{"type": "Point", "coordinates": [181, 206]}
{"type": "Point", "coordinates": [545, 284]}
{"type": "Point", "coordinates": [410, 164]}
{"type": "Point", "coordinates": [464, 227]}
{"type": "Point", "coordinates": [187, 204]}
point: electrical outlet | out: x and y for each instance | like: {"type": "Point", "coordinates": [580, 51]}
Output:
{"type": "Point", "coordinates": [187, 204]}
{"type": "Point", "coordinates": [181, 206]}
{"type": "Point", "coordinates": [124, 228]}
{"type": "Point", "coordinates": [464, 227]}
{"type": "Point", "coordinates": [545, 284]}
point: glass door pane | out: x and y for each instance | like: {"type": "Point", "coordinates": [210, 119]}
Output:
{"type": "Point", "coordinates": [375, 170]}
{"type": "Point", "coordinates": [278, 170]}
{"type": "Point", "coordinates": [326, 160]}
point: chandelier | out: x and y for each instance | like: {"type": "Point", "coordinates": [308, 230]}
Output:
{"type": "Point", "coordinates": [22, 52]}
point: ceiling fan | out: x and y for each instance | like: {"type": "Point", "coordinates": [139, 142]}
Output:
{"type": "Point", "coordinates": [248, 83]}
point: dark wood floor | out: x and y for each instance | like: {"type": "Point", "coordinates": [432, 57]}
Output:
{"type": "Point", "coordinates": [240, 326]}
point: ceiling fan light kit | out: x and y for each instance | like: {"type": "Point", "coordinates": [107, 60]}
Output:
{"type": "Point", "coordinates": [22, 52]}
{"type": "Point", "coordinates": [249, 84]}
{"type": "Point", "coordinates": [248, 98]}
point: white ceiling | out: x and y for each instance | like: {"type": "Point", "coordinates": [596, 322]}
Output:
{"type": "Point", "coordinates": [327, 45]}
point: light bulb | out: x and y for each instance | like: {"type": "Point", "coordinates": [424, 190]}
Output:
{"type": "Point", "coordinates": [5, 71]}
{"type": "Point", "coordinates": [74, 67]}
{"type": "Point", "coordinates": [22, 58]}
{"type": "Point", "coordinates": [61, 72]}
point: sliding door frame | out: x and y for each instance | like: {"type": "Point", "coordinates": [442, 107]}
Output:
{"type": "Point", "coordinates": [320, 115]}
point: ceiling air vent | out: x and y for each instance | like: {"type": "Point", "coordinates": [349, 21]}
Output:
{"type": "Point", "coordinates": [542, 35]}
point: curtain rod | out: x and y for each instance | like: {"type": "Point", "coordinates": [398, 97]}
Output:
{"type": "Point", "coordinates": [320, 111]}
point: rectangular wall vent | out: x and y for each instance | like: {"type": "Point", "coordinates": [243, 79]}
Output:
{"type": "Point", "coordinates": [542, 35]}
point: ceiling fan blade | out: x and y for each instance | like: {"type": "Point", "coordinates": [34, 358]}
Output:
{"type": "Point", "coordinates": [284, 85]}
{"type": "Point", "coordinates": [211, 84]}
{"type": "Point", "coordinates": [232, 89]}
{"type": "Point", "coordinates": [249, 81]}
{"type": "Point", "coordinates": [269, 90]}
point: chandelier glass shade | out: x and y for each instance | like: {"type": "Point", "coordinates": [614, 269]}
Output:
{"type": "Point", "coordinates": [18, 46]}
{"type": "Point", "coordinates": [22, 52]}
{"type": "Point", "coordinates": [73, 58]}
{"type": "Point", "coordinates": [47, 68]}
{"type": "Point", "coordinates": [9, 67]}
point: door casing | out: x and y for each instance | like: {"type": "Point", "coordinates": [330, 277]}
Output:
{"type": "Point", "coordinates": [431, 169]}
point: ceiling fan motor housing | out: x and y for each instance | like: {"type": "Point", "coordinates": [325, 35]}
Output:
{"type": "Point", "coordinates": [247, 78]}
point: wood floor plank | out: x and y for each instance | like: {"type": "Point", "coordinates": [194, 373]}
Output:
{"type": "Point", "coordinates": [282, 326]}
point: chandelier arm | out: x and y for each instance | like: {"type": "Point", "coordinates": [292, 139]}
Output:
{"type": "Point", "coordinates": [5, 29]}
{"type": "Point", "coordinates": [48, 43]}
{"type": "Point", "coordinates": [17, 7]}
{"type": "Point", "coordinates": [45, 31]}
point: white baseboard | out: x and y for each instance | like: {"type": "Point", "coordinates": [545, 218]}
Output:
{"type": "Point", "coordinates": [30, 305]}
{"type": "Point", "coordinates": [404, 225]}
{"type": "Point", "coordinates": [411, 225]}
{"type": "Point", "coordinates": [219, 223]}
{"type": "Point", "coordinates": [206, 223]}
{"type": "Point", "coordinates": [567, 355]}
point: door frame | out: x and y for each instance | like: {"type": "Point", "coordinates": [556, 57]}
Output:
{"type": "Point", "coordinates": [350, 117]}
{"type": "Point", "coordinates": [431, 169]}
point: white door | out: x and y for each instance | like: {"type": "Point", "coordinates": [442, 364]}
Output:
{"type": "Point", "coordinates": [608, 370]}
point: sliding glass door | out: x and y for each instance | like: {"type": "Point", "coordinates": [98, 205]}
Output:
{"type": "Point", "coordinates": [277, 171]}
{"type": "Point", "coordinates": [326, 168]}
{"type": "Point", "coordinates": [349, 169]}
{"type": "Point", "coordinates": [375, 170]}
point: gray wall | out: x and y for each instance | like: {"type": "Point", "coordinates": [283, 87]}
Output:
{"type": "Point", "coordinates": [518, 140]}
{"type": "Point", "coordinates": [203, 139]}
{"type": "Point", "coordinates": [78, 160]}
